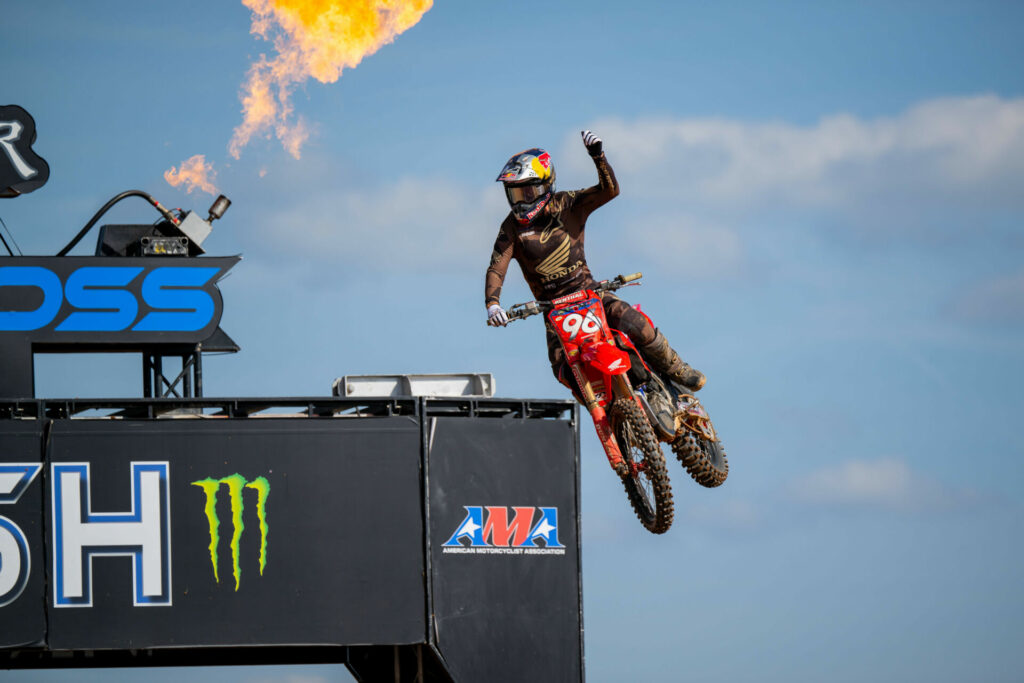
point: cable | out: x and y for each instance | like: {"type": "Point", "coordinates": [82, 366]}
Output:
{"type": "Point", "coordinates": [12, 239]}
{"type": "Point", "coordinates": [106, 207]}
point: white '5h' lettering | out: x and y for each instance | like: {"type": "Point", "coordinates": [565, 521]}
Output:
{"type": "Point", "coordinates": [142, 533]}
{"type": "Point", "coordinates": [15, 561]}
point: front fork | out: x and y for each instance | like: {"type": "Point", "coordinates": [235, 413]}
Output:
{"type": "Point", "coordinates": [619, 388]}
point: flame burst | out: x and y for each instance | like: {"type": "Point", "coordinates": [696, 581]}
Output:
{"type": "Point", "coordinates": [194, 173]}
{"type": "Point", "coordinates": [313, 38]}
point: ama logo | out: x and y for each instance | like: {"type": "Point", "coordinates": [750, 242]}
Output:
{"type": "Point", "coordinates": [489, 530]}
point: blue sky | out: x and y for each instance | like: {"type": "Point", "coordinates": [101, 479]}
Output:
{"type": "Point", "coordinates": [825, 199]}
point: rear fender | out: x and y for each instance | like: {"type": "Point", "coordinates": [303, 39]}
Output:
{"type": "Point", "coordinates": [625, 343]}
{"type": "Point", "coordinates": [623, 340]}
{"type": "Point", "coordinates": [646, 317]}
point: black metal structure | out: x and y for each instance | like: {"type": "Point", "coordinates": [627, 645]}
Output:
{"type": "Point", "coordinates": [188, 383]}
{"type": "Point", "coordinates": [156, 385]}
{"type": "Point", "coordinates": [410, 538]}
{"type": "Point", "coordinates": [413, 539]}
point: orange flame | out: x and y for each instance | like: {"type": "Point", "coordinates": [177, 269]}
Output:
{"type": "Point", "coordinates": [195, 173]}
{"type": "Point", "coordinates": [313, 38]}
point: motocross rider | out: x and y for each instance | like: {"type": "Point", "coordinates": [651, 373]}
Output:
{"type": "Point", "coordinates": [544, 233]}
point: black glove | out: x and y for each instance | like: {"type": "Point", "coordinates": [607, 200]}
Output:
{"type": "Point", "coordinates": [592, 142]}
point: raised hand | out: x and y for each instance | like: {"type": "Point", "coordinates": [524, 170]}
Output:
{"type": "Point", "coordinates": [593, 143]}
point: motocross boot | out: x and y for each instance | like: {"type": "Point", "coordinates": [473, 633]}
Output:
{"type": "Point", "coordinates": [665, 360]}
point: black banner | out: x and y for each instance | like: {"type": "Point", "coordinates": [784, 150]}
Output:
{"type": "Point", "coordinates": [504, 549]}
{"type": "Point", "coordinates": [450, 543]}
{"type": "Point", "coordinates": [277, 532]}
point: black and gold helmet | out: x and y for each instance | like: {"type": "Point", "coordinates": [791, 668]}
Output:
{"type": "Point", "coordinates": [529, 180]}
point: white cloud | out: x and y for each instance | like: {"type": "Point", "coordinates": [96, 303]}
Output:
{"type": "Point", "coordinates": [414, 225]}
{"type": "Point", "coordinates": [697, 191]}
{"type": "Point", "coordinates": [887, 483]}
{"type": "Point", "coordinates": [959, 145]}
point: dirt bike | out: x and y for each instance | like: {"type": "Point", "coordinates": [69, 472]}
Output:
{"type": "Point", "coordinates": [631, 420]}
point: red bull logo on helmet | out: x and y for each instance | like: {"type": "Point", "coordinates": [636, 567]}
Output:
{"type": "Point", "coordinates": [529, 165]}
{"type": "Point", "coordinates": [542, 169]}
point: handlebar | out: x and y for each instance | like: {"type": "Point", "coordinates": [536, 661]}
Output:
{"type": "Point", "coordinates": [525, 310]}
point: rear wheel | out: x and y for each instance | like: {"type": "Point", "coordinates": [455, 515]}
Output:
{"type": "Point", "coordinates": [647, 484]}
{"type": "Point", "coordinates": [704, 459]}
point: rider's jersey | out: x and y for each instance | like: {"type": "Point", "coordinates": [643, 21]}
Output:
{"type": "Point", "coordinates": [550, 249]}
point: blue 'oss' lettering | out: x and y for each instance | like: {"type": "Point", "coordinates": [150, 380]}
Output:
{"type": "Point", "coordinates": [171, 288]}
{"type": "Point", "coordinates": [31, 276]}
{"type": "Point", "coordinates": [104, 305]}
{"type": "Point", "coordinates": [90, 289]}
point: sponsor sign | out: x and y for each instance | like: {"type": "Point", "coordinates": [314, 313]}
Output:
{"type": "Point", "coordinates": [111, 300]}
{"type": "Point", "coordinates": [86, 304]}
{"type": "Point", "coordinates": [21, 169]}
{"type": "Point", "coordinates": [575, 296]}
{"type": "Point", "coordinates": [492, 530]}
{"type": "Point", "coordinates": [235, 484]}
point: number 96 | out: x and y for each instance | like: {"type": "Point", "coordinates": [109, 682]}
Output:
{"type": "Point", "coordinates": [574, 323]}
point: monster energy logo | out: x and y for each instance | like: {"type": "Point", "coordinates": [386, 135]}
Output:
{"type": "Point", "coordinates": [235, 484]}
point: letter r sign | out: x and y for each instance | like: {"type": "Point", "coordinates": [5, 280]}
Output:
{"type": "Point", "coordinates": [21, 169]}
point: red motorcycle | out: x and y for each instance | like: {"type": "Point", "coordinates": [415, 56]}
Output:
{"type": "Point", "coordinates": [633, 408]}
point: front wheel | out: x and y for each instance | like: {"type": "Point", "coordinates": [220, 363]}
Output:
{"type": "Point", "coordinates": [646, 483]}
{"type": "Point", "coordinates": [703, 458]}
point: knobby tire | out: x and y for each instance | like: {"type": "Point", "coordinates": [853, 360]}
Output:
{"type": "Point", "coordinates": [653, 502]}
{"type": "Point", "coordinates": [705, 460]}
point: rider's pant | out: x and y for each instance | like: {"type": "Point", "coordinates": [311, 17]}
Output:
{"type": "Point", "coordinates": [621, 316]}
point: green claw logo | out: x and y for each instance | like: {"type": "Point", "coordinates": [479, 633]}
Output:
{"type": "Point", "coordinates": [235, 484]}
